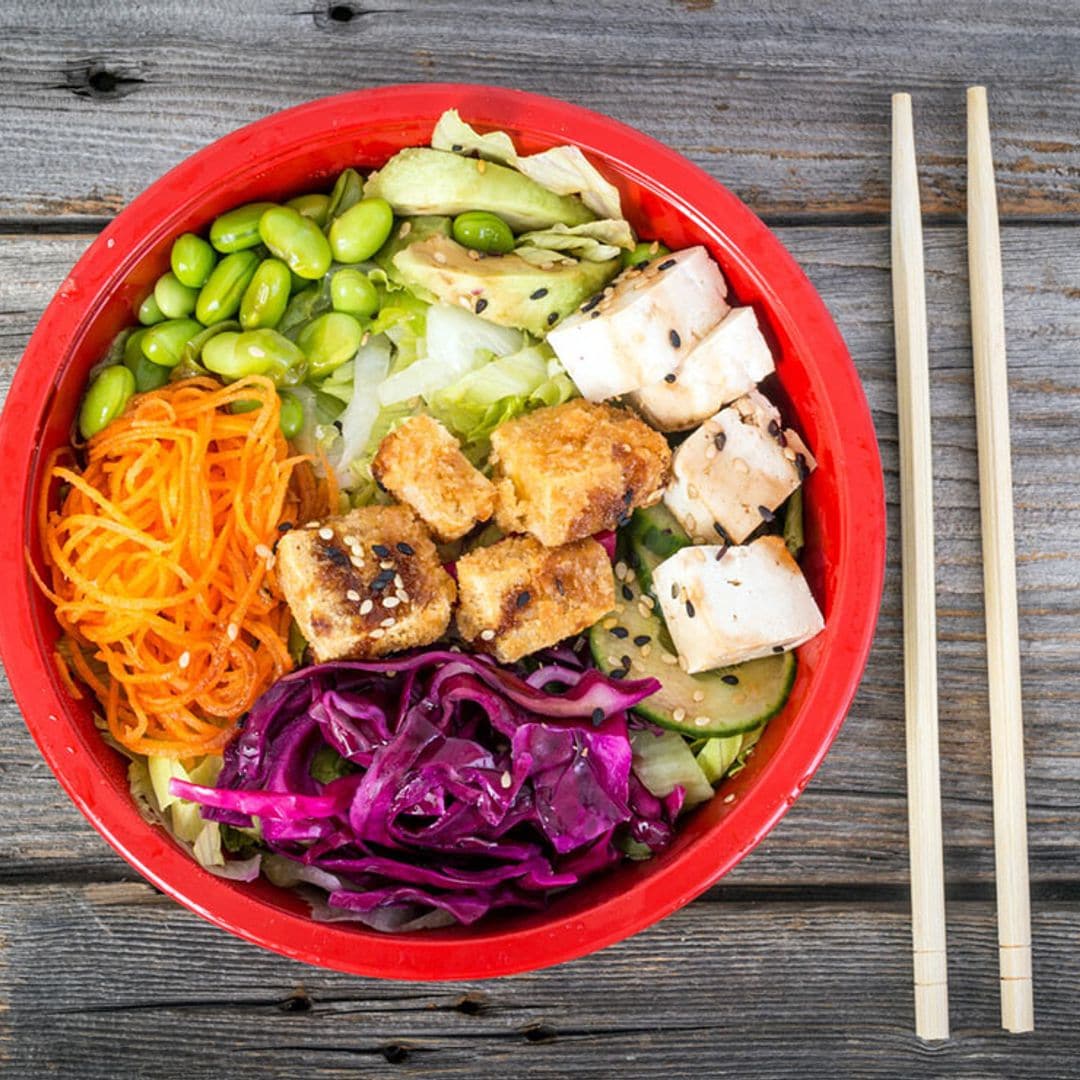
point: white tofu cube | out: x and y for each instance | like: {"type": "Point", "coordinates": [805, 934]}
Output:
{"type": "Point", "coordinates": [750, 602]}
{"type": "Point", "coordinates": [637, 334]}
{"type": "Point", "coordinates": [730, 360]}
{"type": "Point", "coordinates": [735, 470]}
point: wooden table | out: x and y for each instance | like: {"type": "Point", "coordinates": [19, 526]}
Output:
{"type": "Point", "coordinates": [799, 961]}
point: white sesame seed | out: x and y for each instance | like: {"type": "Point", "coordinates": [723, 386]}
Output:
{"type": "Point", "coordinates": [505, 780]}
{"type": "Point", "coordinates": [386, 564]}
{"type": "Point", "coordinates": [474, 254]}
{"type": "Point", "coordinates": [481, 166]}
{"type": "Point", "coordinates": [353, 595]}
{"type": "Point", "coordinates": [350, 541]}
{"type": "Point", "coordinates": [667, 658]}
{"type": "Point", "coordinates": [402, 595]}
{"type": "Point", "coordinates": [701, 721]}
{"type": "Point", "coordinates": [439, 257]}
{"type": "Point", "coordinates": [185, 659]}
{"type": "Point", "coordinates": [326, 533]}
{"type": "Point", "coordinates": [679, 715]}
{"type": "Point", "coordinates": [271, 562]}
{"type": "Point", "coordinates": [406, 228]}
{"type": "Point", "coordinates": [682, 663]}
{"type": "Point", "coordinates": [729, 798]}
{"type": "Point", "coordinates": [366, 606]}
{"type": "Point", "coordinates": [648, 601]}
{"type": "Point", "coordinates": [312, 525]}
{"type": "Point", "coordinates": [356, 560]}
{"type": "Point", "coordinates": [388, 622]}
{"type": "Point", "coordinates": [378, 633]}
{"type": "Point", "coordinates": [646, 649]}
{"type": "Point", "coordinates": [620, 570]}
{"type": "Point", "coordinates": [614, 661]}
{"type": "Point", "coordinates": [233, 631]}
{"type": "Point", "coordinates": [487, 635]}
{"type": "Point", "coordinates": [390, 602]}
{"type": "Point", "coordinates": [398, 583]}
{"type": "Point", "coordinates": [699, 695]}
{"type": "Point", "coordinates": [263, 551]}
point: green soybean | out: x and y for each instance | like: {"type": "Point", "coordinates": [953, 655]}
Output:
{"type": "Point", "coordinates": [175, 299]}
{"type": "Point", "coordinates": [105, 399]}
{"type": "Point", "coordinates": [254, 352]}
{"type": "Point", "coordinates": [313, 206]}
{"type": "Point", "coordinates": [164, 343]}
{"type": "Point", "coordinates": [192, 259]}
{"type": "Point", "coordinates": [361, 230]}
{"type": "Point", "coordinates": [353, 293]}
{"type": "Point", "coordinates": [148, 375]}
{"type": "Point", "coordinates": [191, 356]}
{"type": "Point", "coordinates": [348, 191]}
{"type": "Point", "coordinates": [149, 312]}
{"type": "Point", "coordinates": [303, 307]}
{"type": "Point", "coordinates": [267, 295]}
{"type": "Point", "coordinates": [297, 240]}
{"type": "Point", "coordinates": [133, 347]}
{"type": "Point", "coordinates": [329, 341]}
{"type": "Point", "coordinates": [482, 231]}
{"type": "Point", "coordinates": [220, 297]}
{"type": "Point", "coordinates": [239, 229]}
{"type": "Point", "coordinates": [291, 418]}
{"type": "Point", "coordinates": [643, 252]}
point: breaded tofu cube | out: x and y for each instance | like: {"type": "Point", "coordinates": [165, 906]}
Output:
{"type": "Point", "coordinates": [567, 471]}
{"type": "Point", "coordinates": [421, 464]}
{"type": "Point", "coordinates": [735, 470]}
{"type": "Point", "coordinates": [366, 584]}
{"type": "Point", "coordinates": [518, 596]}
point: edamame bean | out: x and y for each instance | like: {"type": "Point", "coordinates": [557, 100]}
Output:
{"type": "Point", "coordinates": [643, 252]}
{"type": "Point", "coordinates": [348, 191]}
{"type": "Point", "coordinates": [164, 343]}
{"type": "Point", "coordinates": [313, 206]}
{"type": "Point", "coordinates": [291, 417]}
{"type": "Point", "coordinates": [297, 240]}
{"type": "Point", "coordinates": [148, 375]}
{"type": "Point", "coordinates": [266, 296]}
{"type": "Point", "coordinates": [351, 292]}
{"type": "Point", "coordinates": [105, 399]}
{"type": "Point", "coordinates": [220, 297]}
{"type": "Point", "coordinates": [329, 341]}
{"type": "Point", "coordinates": [254, 352]}
{"type": "Point", "coordinates": [192, 259]}
{"type": "Point", "coordinates": [359, 232]}
{"type": "Point", "coordinates": [482, 231]}
{"type": "Point", "coordinates": [175, 299]}
{"type": "Point", "coordinates": [133, 347]}
{"type": "Point", "coordinates": [239, 229]}
{"type": "Point", "coordinates": [149, 312]}
{"type": "Point", "coordinates": [303, 306]}
{"type": "Point", "coordinates": [191, 356]}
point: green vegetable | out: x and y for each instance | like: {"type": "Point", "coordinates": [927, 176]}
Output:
{"type": "Point", "coordinates": [148, 375]}
{"type": "Point", "coordinates": [105, 399]}
{"type": "Point", "coordinates": [481, 231]}
{"type": "Point", "coordinates": [192, 259]}
{"type": "Point", "coordinates": [329, 340]}
{"type": "Point", "coordinates": [239, 229]}
{"type": "Point", "coordinates": [412, 231]}
{"type": "Point", "coordinates": [664, 762]}
{"type": "Point", "coordinates": [643, 252]}
{"type": "Point", "coordinates": [303, 307]}
{"type": "Point", "coordinates": [716, 756]}
{"type": "Point", "coordinates": [313, 206]}
{"type": "Point", "coordinates": [292, 415]}
{"type": "Point", "coordinates": [327, 765]}
{"type": "Point", "coordinates": [191, 356]}
{"type": "Point", "coordinates": [596, 241]}
{"type": "Point", "coordinates": [164, 342]}
{"type": "Point", "coordinates": [361, 230]}
{"type": "Point", "coordinates": [353, 293]}
{"type": "Point", "coordinates": [174, 299]}
{"type": "Point", "coordinates": [348, 191]}
{"type": "Point", "coordinates": [267, 295]}
{"type": "Point", "coordinates": [296, 240]}
{"type": "Point", "coordinates": [254, 352]}
{"type": "Point", "coordinates": [149, 312]}
{"type": "Point", "coordinates": [132, 350]}
{"type": "Point", "coordinates": [220, 297]}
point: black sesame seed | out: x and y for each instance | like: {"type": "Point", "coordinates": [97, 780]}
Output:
{"type": "Point", "coordinates": [774, 428]}
{"type": "Point", "coordinates": [335, 555]}
{"type": "Point", "coordinates": [719, 530]}
{"type": "Point", "coordinates": [405, 549]}
{"type": "Point", "coordinates": [480, 305]}
{"type": "Point", "coordinates": [618, 673]}
{"type": "Point", "coordinates": [560, 588]}
{"type": "Point", "coordinates": [628, 496]}
{"type": "Point", "coordinates": [670, 378]}
{"type": "Point", "coordinates": [721, 552]}
{"type": "Point", "coordinates": [378, 586]}
{"type": "Point", "coordinates": [457, 148]}
{"type": "Point", "coordinates": [628, 593]}
{"type": "Point", "coordinates": [778, 648]}
{"type": "Point", "coordinates": [642, 639]}
{"type": "Point", "coordinates": [719, 440]}
{"type": "Point", "coordinates": [667, 264]}
{"type": "Point", "coordinates": [626, 662]}
{"type": "Point", "coordinates": [623, 520]}
{"type": "Point", "coordinates": [539, 294]}
{"type": "Point", "coordinates": [597, 717]}
{"type": "Point", "coordinates": [731, 680]}
{"type": "Point", "coordinates": [285, 526]}
{"type": "Point", "coordinates": [781, 438]}
{"type": "Point", "coordinates": [592, 302]}
{"type": "Point", "coordinates": [620, 631]}
{"type": "Point", "coordinates": [766, 513]}
{"type": "Point", "coordinates": [673, 337]}
{"type": "Point", "coordinates": [381, 550]}
{"type": "Point", "coordinates": [800, 464]}
{"type": "Point", "coordinates": [553, 318]}
{"type": "Point", "coordinates": [595, 315]}
{"type": "Point", "coordinates": [522, 599]}
{"type": "Point", "coordinates": [641, 265]}
{"type": "Point", "coordinates": [690, 609]}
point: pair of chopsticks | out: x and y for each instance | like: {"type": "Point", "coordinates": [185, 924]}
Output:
{"type": "Point", "coordinates": [1002, 637]}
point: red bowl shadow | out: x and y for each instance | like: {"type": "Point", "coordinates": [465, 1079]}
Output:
{"type": "Point", "coordinates": [665, 197]}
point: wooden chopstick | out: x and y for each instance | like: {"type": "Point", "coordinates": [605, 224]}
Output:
{"type": "Point", "coordinates": [999, 573]}
{"type": "Point", "coordinates": [920, 631]}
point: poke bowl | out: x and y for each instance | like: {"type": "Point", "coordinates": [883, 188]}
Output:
{"type": "Point", "coordinates": [666, 200]}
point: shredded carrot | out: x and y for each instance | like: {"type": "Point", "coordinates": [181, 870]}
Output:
{"type": "Point", "coordinates": [160, 561]}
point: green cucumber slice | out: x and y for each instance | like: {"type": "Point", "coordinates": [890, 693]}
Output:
{"type": "Point", "coordinates": [653, 535]}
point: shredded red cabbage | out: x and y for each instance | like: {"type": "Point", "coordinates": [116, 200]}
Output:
{"type": "Point", "coordinates": [467, 788]}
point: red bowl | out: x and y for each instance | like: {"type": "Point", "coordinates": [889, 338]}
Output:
{"type": "Point", "coordinates": [665, 197]}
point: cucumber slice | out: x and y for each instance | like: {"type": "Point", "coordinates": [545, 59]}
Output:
{"type": "Point", "coordinates": [653, 535]}
{"type": "Point", "coordinates": [635, 640]}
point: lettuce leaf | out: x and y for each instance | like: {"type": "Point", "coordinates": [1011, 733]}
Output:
{"type": "Point", "coordinates": [596, 241]}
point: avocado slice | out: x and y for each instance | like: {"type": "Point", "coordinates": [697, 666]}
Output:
{"type": "Point", "coordinates": [418, 229]}
{"type": "Point", "coordinates": [424, 181]}
{"type": "Point", "coordinates": [503, 288]}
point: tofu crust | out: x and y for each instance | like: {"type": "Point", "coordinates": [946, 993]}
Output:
{"type": "Point", "coordinates": [518, 596]}
{"type": "Point", "coordinates": [567, 471]}
{"type": "Point", "coordinates": [365, 585]}
{"type": "Point", "coordinates": [421, 464]}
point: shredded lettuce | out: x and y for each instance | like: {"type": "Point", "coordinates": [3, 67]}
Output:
{"type": "Point", "coordinates": [665, 762]}
{"type": "Point", "coordinates": [596, 241]}
{"type": "Point", "coordinates": [563, 170]}
{"type": "Point", "coordinates": [370, 368]}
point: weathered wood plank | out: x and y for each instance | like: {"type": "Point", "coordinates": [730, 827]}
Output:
{"type": "Point", "coordinates": [693, 996]}
{"type": "Point", "coordinates": [850, 824]}
{"type": "Point", "coordinates": [787, 104]}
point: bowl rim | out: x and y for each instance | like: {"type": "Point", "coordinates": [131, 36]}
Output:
{"type": "Point", "coordinates": [502, 951]}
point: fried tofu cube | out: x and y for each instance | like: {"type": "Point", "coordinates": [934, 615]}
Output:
{"type": "Point", "coordinates": [567, 471]}
{"type": "Point", "coordinates": [421, 464]}
{"type": "Point", "coordinates": [364, 585]}
{"type": "Point", "coordinates": [518, 596]}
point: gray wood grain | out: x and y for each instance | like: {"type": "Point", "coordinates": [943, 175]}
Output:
{"type": "Point", "coordinates": [113, 980]}
{"type": "Point", "coordinates": [850, 826]}
{"type": "Point", "coordinates": [787, 103]}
